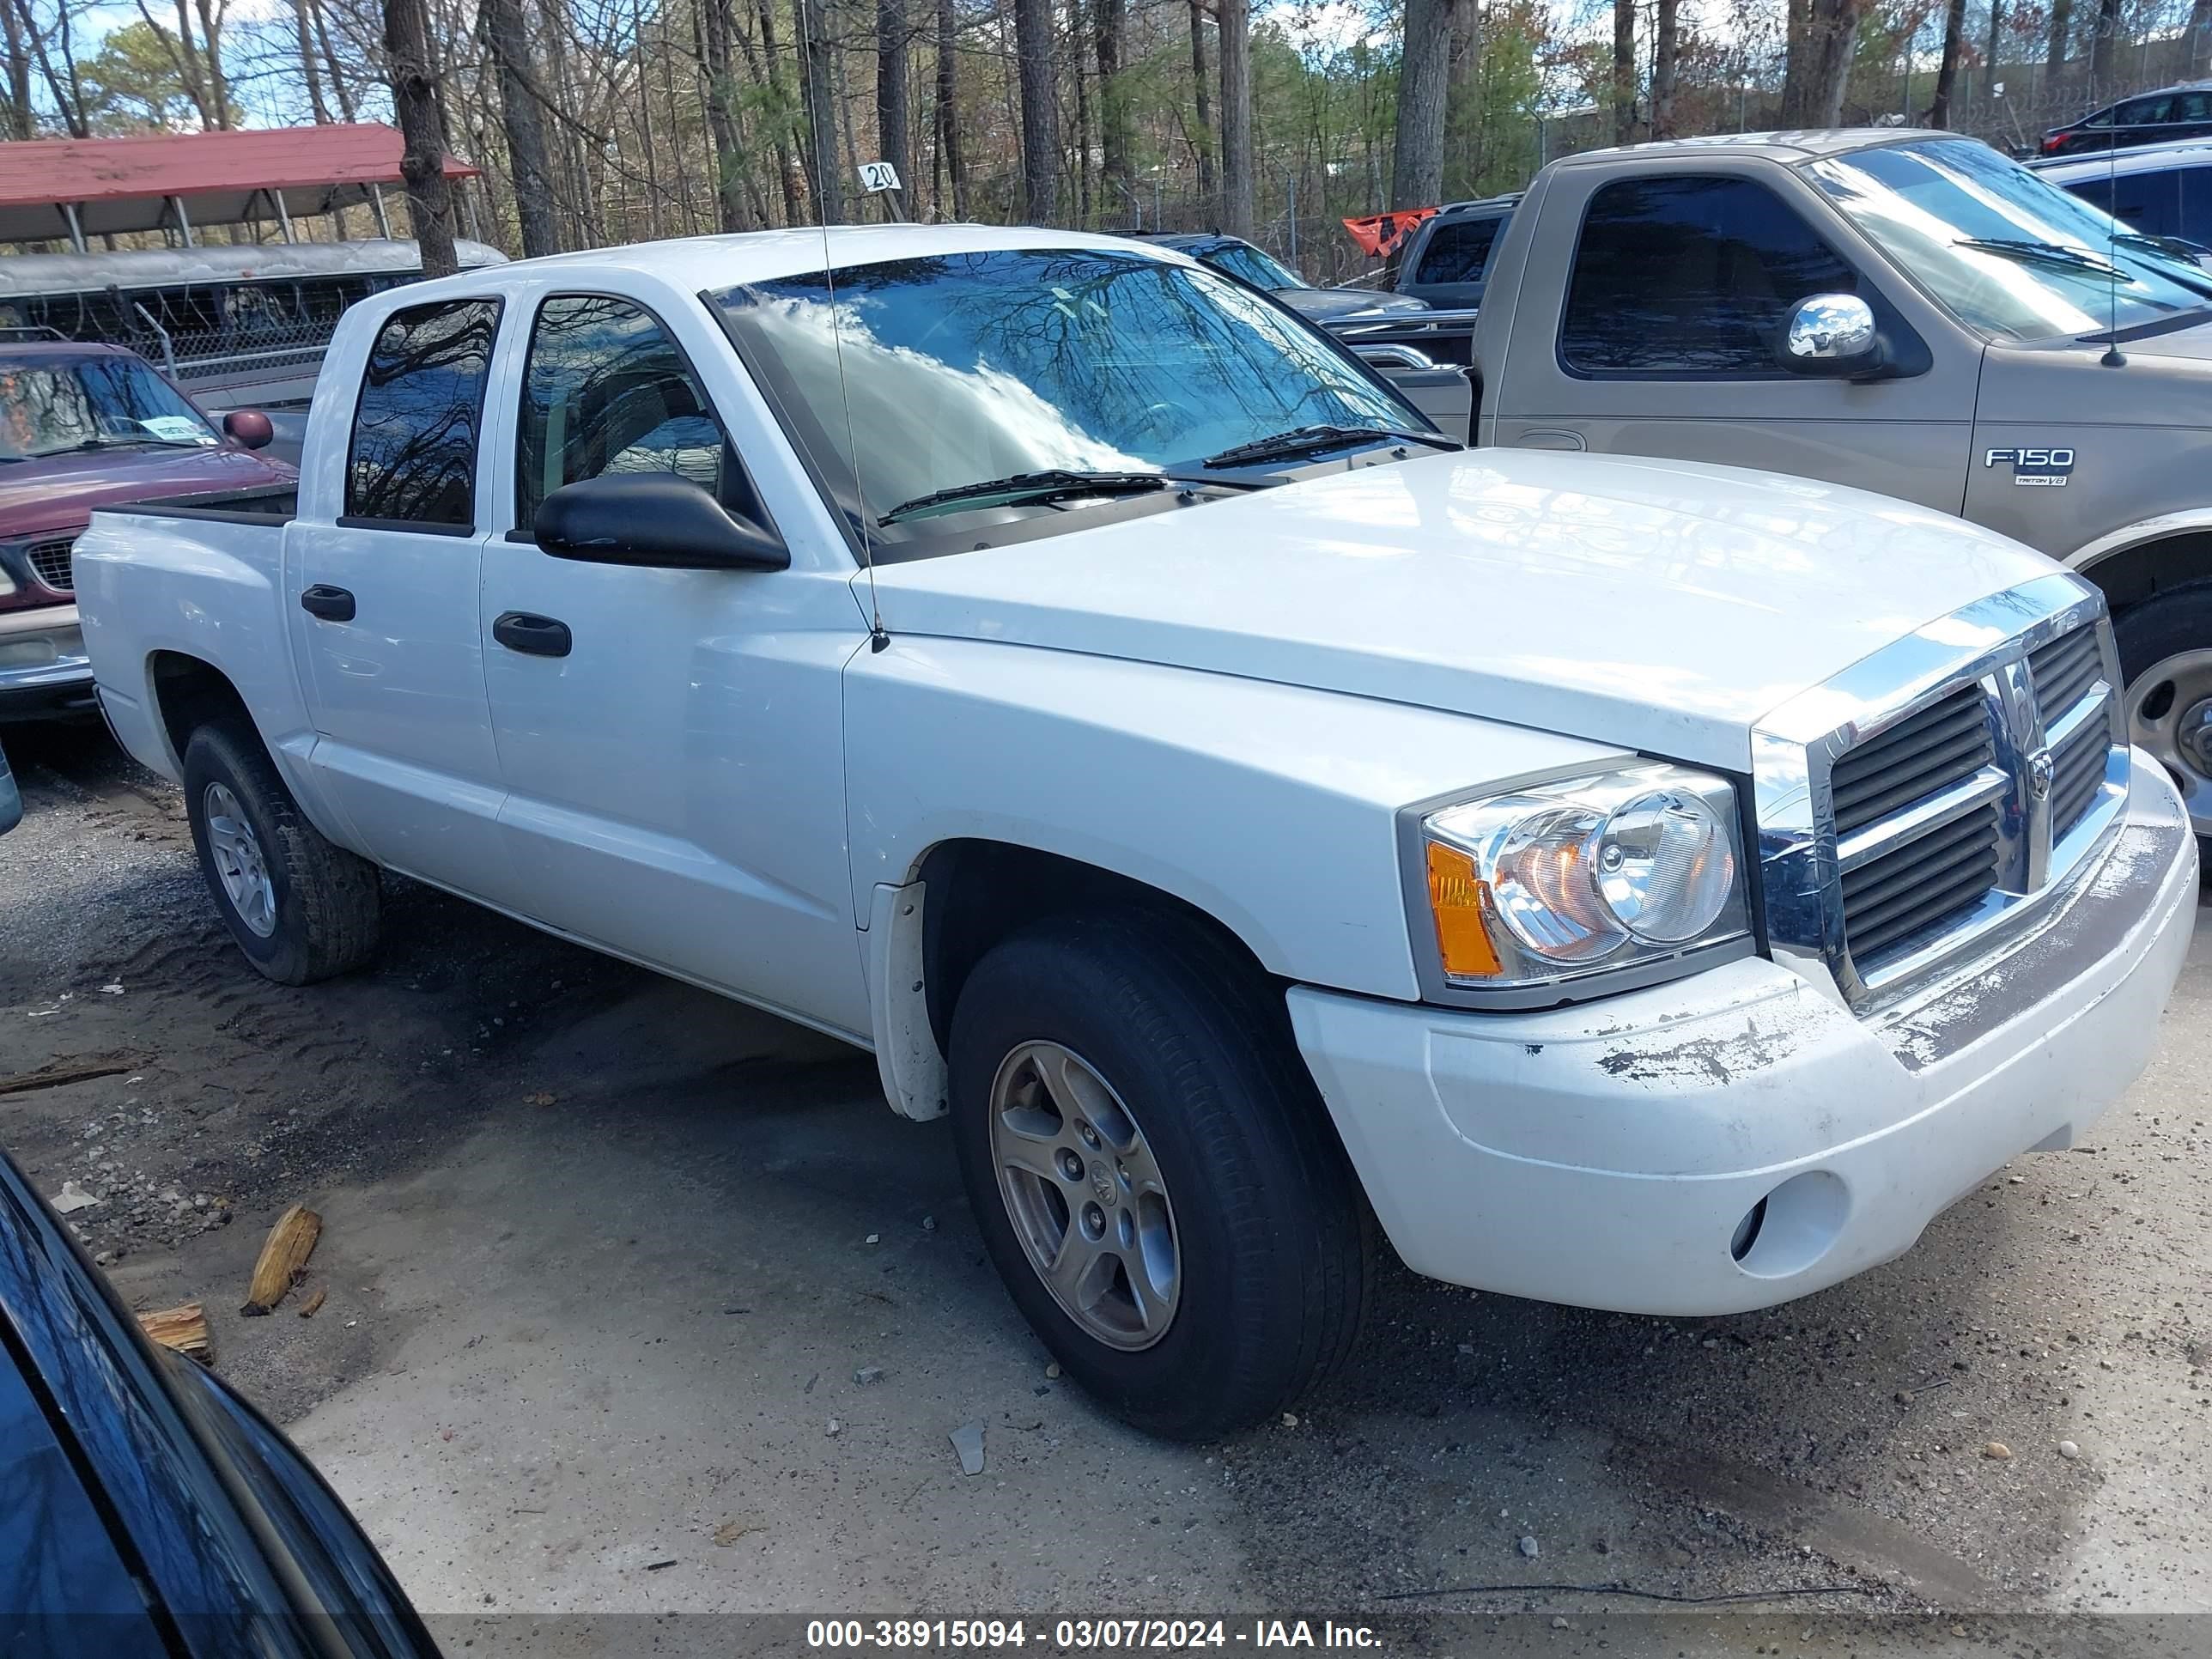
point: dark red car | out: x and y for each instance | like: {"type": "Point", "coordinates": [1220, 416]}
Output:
{"type": "Point", "coordinates": [84, 427]}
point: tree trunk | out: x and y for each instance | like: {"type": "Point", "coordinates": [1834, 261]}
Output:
{"type": "Point", "coordinates": [307, 71]}
{"type": "Point", "coordinates": [1832, 33]}
{"type": "Point", "coordinates": [715, 27]}
{"type": "Point", "coordinates": [1234, 32]}
{"type": "Point", "coordinates": [770, 70]}
{"type": "Point", "coordinates": [1946, 72]}
{"type": "Point", "coordinates": [20, 122]}
{"type": "Point", "coordinates": [330, 63]}
{"type": "Point", "coordinates": [2199, 37]}
{"type": "Point", "coordinates": [523, 121]}
{"type": "Point", "coordinates": [1624, 71]}
{"type": "Point", "coordinates": [1666, 52]}
{"type": "Point", "coordinates": [1202, 92]}
{"type": "Point", "coordinates": [1110, 37]}
{"type": "Point", "coordinates": [1040, 112]}
{"type": "Point", "coordinates": [2061, 31]}
{"type": "Point", "coordinates": [423, 161]}
{"type": "Point", "coordinates": [2103, 46]}
{"type": "Point", "coordinates": [1990, 61]}
{"type": "Point", "coordinates": [212, 49]}
{"type": "Point", "coordinates": [1417, 156]}
{"type": "Point", "coordinates": [948, 106]}
{"type": "Point", "coordinates": [891, 112]}
{"type": "Point", "coordinates": [819, 98]}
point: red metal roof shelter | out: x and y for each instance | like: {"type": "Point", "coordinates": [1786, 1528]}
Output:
{"type": "Point", "coordinates": [180, 180]}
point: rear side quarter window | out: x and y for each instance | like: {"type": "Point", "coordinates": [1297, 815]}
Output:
{"type": "Point", "coordinates": [411, 461]}
{"type": "Point", "coordinates": [1458, 251]}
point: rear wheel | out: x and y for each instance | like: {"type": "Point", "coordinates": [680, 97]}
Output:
{"type": "Point", "coordinates": [1153, 1173]}
{"type": "Point", "coordinates": [2166, 657]}
{"type": "Point", "coordinates": [301, 908]}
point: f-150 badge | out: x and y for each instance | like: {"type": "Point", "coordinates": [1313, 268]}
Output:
{"type": "Point", "coordinates": [2047, 469]}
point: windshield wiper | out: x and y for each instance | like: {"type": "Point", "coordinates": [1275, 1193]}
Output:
{"type": "Point", "coordinates": [2049, 253]}
{"type": "Point", "coordinates": [1053, 484]}
{"type": "Point", "coordinates": [1312, 439]}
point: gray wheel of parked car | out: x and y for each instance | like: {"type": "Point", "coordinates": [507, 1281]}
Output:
{"type": "Point", "coordinates": [2168, 698]}
{"type": "Point", "coordinates": [300, 907]}
{"type": "Point", "coordinates": [1153, 1173]}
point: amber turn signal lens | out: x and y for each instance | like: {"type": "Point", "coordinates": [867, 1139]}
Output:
{"type": "Point", "coordinates": [1455, 902]}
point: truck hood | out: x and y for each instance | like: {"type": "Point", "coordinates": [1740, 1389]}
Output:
{"type": "Point", "coordinates": [60, 492]}
{"type": "Point", "coordinates": [1661, 606]}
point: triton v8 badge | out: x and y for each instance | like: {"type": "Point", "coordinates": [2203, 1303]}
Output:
{"type": "Point", "coordinates": [2048, 468]}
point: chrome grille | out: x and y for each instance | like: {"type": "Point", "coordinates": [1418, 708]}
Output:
{"type": "Point", "coordinates": [50, 562]}
{"type": "Point", "coordinates": [1912, 805]}
{"type": "Point", "coordinates": [1943, 743]}
{"type": "Point", "coordinates": [1918, 884]}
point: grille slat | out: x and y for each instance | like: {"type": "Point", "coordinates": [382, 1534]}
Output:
{"type": "Point", "coordinates": [1943, 743]}
{"type": "Point", "coordinates": [2076, 772]}
{"type": "Point", "coordinates": [1921, 883]}
{"type": "Point", "coordinates": [50, 562]}
{"type": "Point", "coordinates": [2063, 670]}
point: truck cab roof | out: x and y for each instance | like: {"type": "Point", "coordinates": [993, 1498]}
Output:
{"type": "Point", "coordinates": [1785, 147]}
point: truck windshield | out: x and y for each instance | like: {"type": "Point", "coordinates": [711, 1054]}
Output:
{"type": "Point", "coordinates": [60, 406]}
{"type": "Point", "coordinates": [2007, 252]}
{"type": "Point", "coordinates": [956, 368]}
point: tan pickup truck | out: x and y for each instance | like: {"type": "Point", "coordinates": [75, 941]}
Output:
{"type": "Point", "coordinates": [1903, 311]}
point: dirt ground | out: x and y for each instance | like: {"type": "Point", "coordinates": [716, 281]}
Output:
{"type": "Point", "coordinates": [603, 1254]}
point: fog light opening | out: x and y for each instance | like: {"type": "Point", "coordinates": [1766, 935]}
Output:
{"type": "Point", "coordinates": [1746, 1231]}
{"type": "Point", "coordinates": [1792, 1227]}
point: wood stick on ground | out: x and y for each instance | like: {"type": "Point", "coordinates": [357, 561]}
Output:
{"type": "Point", "coordinates": [309, 1308]}
{"type": "Point", "coordinates": [183, 1327]}
{"type": "Point", "coordinates": [54, 1073]}
{"type": "Point", "coordinates": [290, 1243]}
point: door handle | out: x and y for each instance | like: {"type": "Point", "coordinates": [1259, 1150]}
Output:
{"type": "Point", "coordinates": [331, 604]}
{"type": "Point", "coordinates": [533, 635]}
{"type": "Point", "coordinates": [1546, 437]}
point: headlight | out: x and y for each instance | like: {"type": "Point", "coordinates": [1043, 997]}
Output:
{"type": "Point", "coordinates": [1584, 875]}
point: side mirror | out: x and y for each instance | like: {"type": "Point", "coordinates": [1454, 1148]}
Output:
{"type": "Point", "coordinates": [656, 519]}
{"type": "Point", "coordinates": [1832, 334]}
{"type": "Point", "coordinates": [250, 427]}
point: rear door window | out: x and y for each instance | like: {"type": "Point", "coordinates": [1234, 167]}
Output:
{"type": "Point", "coordinates": [412, 463]}
{"type": "Point", "coordinates": [2151, 202]}
{"type": "Point", "coordinates": [2195, 221]}
{"type": "Point", "coordinates": [1458, 251]}
{"type": "Point", "coordinates": [1690, 278]}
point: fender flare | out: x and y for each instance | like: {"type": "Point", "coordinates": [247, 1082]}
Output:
{"type": "Point", "coordinates": [2189, 521]}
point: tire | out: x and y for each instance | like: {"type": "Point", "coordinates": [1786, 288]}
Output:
{"type": "Point", "coordinates": [1272, 1236]}
{"type": "Point", "coordinates": [322, 901]}
{"type": "Point", "coordinates": [2166, 658]}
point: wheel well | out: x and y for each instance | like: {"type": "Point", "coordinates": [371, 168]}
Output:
{"type": "Point", "coordinates": [980, 891]}
{"type": "Point", "coordinates": [2135, 574]}
{"type": "Point", "coordinates": [190, 692]}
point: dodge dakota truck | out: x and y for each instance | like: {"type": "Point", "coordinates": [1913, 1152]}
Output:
{"type": "Point", "coordinates": [1906, 312]}
{"type": "Point", "coordinates": [1256, 823]}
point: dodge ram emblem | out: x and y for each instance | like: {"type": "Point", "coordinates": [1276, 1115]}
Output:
{"type": "Point", "coordinates": [2038, 775]}
{"type": "Point", "coordinates": [1102, 1182]}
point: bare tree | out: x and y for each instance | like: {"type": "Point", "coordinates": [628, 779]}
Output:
{"type": "Point", "coordinates": [1109, 42]}
{"type": "Point", "coordinates": [2199, 37]}
{"type": "Point", "coordinates": [21, 122]}
{"type": "Point", "coordinates": [508, 35]}
{"type": "Point", "coordinates": [1417, 157]}
{"type": "Point", "coordinates": [819, 98]}
{"type": "Point", "coordinates": [2060, 38]}
{"type": "Point", "coordinates": [1946, 72]}
{"type": "Point", "coordinates": [715, 26]}
{"type": "Point", "coordinates": [948, 106]}
{"type": "Point", "coordinates": [1201, 142]}
{"type": "Point", "coordinates": [2104, 44]}
{"type": "Point", "coordinates": [415, 98]}
{"type": "Point", "coordinates": [891, 113]}
{"type": "Point", "coordinates": [1234, 24]}
{"type": "Point", "coordinates": [1666, 58]}
{"type": "Point", "coordinates": [1040, 112]}
{"type": "Point", "coordinates": [1624, 71]}
{"type": "Point", "coordinates": [1819, 66]}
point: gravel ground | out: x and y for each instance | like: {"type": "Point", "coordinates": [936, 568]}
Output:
{"type": "Point", "coordinates": [603, 1253]}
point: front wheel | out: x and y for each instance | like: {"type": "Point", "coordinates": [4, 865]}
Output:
{"type": "Point", "coordinates": [2166, 657]}
{"type": "Point", "coordinates": [1153, 1172]}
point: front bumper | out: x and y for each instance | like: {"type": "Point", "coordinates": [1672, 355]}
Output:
{"type": "Point", "coordinates": [1616, 1154]}
{"type": "Point", "coordinates": [43, 670]}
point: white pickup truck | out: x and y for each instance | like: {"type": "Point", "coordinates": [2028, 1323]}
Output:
{"type": "Point", "coordinates": [1641, 884]}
